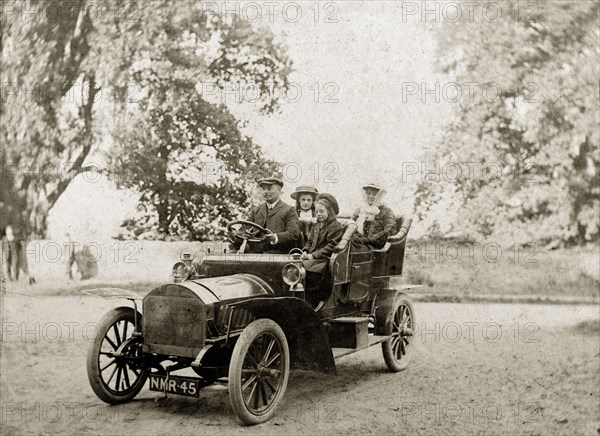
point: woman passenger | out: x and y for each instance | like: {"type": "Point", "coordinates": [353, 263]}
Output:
{"type": "Point", "coordinates": [305, 206]}
{"type": "Point", "coordinates": [375, 222]}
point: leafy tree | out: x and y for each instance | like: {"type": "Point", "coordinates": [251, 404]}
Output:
{"type": "Point", "coordinates": [74, 72]}
{"type": "Point", "coordinates": [43, 145]}
{"type": "Point", "coordinates": [530, 127]}
{"type": "Point", "coordinates": [191, 165]}
{"type": "Point", "coordinates": [180, 148]}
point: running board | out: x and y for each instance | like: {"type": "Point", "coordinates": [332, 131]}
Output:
{"type": "Point", "coordinates": [373, 340]}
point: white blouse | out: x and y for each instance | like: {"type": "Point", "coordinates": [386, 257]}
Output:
{"type": "Point", "coordinates": [306, 214]}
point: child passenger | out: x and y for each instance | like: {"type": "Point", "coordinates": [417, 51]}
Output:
{"type": "Point", "coordinates": [322, 240]}
{"type": "Point", "coordinates": [305, 206]}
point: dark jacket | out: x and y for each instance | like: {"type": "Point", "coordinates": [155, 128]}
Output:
{"type": "Point", "coordinates": [322, 240]}
{"type": "Point", "coordinates": [281, 220]}
{"type": "Point", "coordinates": [379, 230]}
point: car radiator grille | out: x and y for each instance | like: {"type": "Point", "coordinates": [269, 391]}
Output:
{"type": "Point", "coordinates": [174, 326]}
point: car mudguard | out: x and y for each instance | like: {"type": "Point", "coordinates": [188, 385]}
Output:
{"type": "Point", "coordinates": [306, 336]}
{"type": "Point", "coordinates": [112, 293]}
{"type": "Point", "coordinates": [384, 303]}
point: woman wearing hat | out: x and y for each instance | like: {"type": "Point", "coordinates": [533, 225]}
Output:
{"type": "Point", "coordinates": [375, 222]}
{"type": "Point", "coordinates": [305, 206]}
{"type": "Point", "coordinates": [323, 238]}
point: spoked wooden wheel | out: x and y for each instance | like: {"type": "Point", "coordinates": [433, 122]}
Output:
{"type": "Point", "coordinates": [398, 351]}
{"type": "Point", "coordinates": [259, 371]}
{"type": "Point", "coordinates": [115, 379]}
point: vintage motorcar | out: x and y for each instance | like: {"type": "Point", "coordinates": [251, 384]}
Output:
{"type": "Point", "coordinates": [246, 319]}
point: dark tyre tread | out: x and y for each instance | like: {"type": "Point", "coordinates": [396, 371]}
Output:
{"type": "Point", "coordinates": [398, 351]}
{"type": "Point", "coordinates": [261, 352]}
{"type": "Point", "coordinates": [95, 369]}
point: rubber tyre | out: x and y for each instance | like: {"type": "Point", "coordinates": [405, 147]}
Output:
{"type": "Point", "coordinates": [248, 354]}
{"type": "Point", "coordinates": [397, 355]}
{"type": "Point", "coordinates": [100, 387]}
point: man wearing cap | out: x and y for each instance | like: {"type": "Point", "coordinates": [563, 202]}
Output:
{"type": "Point", "coordinates": [277, 216]}
{"type": "Point", "coordinates": [375, 221]}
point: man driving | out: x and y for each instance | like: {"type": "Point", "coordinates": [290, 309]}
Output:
{"type": "Point", "coordinates": [276, 216]}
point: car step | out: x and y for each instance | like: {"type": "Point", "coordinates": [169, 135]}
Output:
{"type": "Point", "coordinates": [349, 319]}
{"type": "Point", "coordinates": [373, 340]}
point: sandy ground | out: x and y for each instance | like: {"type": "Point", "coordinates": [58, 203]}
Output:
{"type": "Point", "coordinates": [477, 369]}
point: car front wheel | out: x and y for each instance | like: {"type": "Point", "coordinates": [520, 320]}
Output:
{"type": "Point", "coordinates": [259, 371]}
{"type": "Point", "coordinates": [113, 376]}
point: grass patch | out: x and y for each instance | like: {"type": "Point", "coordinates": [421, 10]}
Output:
{"type": "Point", "coordinates": [466, 270]}
{"type": "Point", "coordinates": [589, 327]}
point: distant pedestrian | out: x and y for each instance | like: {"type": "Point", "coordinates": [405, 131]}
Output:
{"type": "Point", "coordinates": [84, 259]}
{"type": "Point", "coordinates": [14, 247]}
{"type": "Point", "coordinates": [69, 256]}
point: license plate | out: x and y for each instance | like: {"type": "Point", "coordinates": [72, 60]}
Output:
{"type": "Point", "coordinates": [188, 386]}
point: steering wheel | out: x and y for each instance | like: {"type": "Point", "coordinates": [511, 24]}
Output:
{"type": "Point", "coordinates": [295, 253]}
{"type": "Point", "coordinates": [248, 231]}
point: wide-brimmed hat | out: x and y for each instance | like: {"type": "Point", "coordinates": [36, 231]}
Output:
{"type": "Point", "coordinates": [372, 186]}
{"type": "Point", "coordinates": [304, 190]}
{"type": "Point", "coordinates": [270, 181]}
{"type": "Point", "coordinates": [331, 199]}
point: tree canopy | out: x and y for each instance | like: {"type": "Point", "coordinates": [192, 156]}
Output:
{"type": "Point", "coordinates": [80, 74]}
{"type": "Point", "coordinates": [526, 137]}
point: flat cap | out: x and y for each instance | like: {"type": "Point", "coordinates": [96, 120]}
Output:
{"type": "Point", "coordinates": [270, 181]}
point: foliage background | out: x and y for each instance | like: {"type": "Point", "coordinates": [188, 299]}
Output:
{"type": "Point", "coordinates": [79, 74]}
{"type": "Point", "coordinates": [128, 90]}
{"type": "Point", "coordinates": [531, 136]}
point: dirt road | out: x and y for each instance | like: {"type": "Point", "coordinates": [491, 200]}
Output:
{"type": "Point", "coordinates": [477, 369]}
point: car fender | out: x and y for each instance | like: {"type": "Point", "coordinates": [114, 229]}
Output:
{"type": "Point", "coordinates": [113, 293]}
{"type": "Point", "coordinates": [306, 336]}
{"type": "Point", "coordinates": [384, 303]}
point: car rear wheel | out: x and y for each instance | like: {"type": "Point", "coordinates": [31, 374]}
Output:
{"type": "Point", "coordinates": [259, 371]}
{"type": "Point", "coordinates": [115, 379]}
{"type": "Point", "coordinates": [398, 351]}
